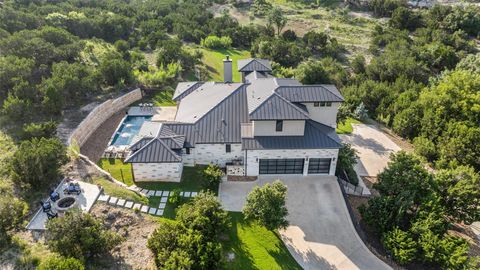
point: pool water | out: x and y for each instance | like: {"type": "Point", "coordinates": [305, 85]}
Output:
{"type": "Point", "coordinates": [129, 128]}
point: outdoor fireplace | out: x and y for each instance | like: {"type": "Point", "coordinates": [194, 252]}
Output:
{"type": "Point", "coordinates": [65, 203]}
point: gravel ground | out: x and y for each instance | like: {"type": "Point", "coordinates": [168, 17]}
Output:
{"type": "Point", "coordinates": [135, 228]}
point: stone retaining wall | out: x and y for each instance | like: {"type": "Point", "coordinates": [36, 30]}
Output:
{"type": "Point", "coordinates": [100, 114]}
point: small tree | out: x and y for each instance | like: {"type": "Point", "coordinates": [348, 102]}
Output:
{"type": "Point", "coordinates": [205, 214]}
{"type": "Point", "coordinates": [277, 18]}
{"type": "Point", "coordinates": [79, 235]}
{"type": "Point", "coordinates": [361, 112]}
{"type": "Point", "coordinates": [12, 212]}
{"type": "Point", "coordinates": [212, 175]}
{"type": "Point", "coordinates": [192, 241]}
{"type": "Point", "coordinates": [347, 158]}
{"type": "Point", "coordinates": [267, 205]}
{"type": "Point", "coordinates": [401, 245]}
{"type": "Point", "coordinates": [37, 162]}
{"type": "Point", "coordinates": [60, 263]}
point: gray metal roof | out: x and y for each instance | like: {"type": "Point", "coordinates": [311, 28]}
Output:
{"type": "Point", "coordinates": [251, 76]}
{"type": "Point", "coordinates": [245, 65]}
{"type": "Point", "coordinates": [222, 124]}
{"type": "Point", "coordinates": [316, 136]}
{"type": "Point", "coordinates": [185, 88]}
{"type": "Point", "coordinates": [140, 143]}
{"type": "Point", "coordinates": [278, 108]}
{"type": "Point", "coordinates": [202, 100]}
{"type": "Point", "coordinates": [155, 151]}
{"type": "Point", "coordinates": [308, 93]}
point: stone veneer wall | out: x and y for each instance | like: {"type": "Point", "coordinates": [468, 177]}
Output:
{"type": "Point", "coordinates": [163, 172]}
{"type": "Point", "coordinates": [101, 113]}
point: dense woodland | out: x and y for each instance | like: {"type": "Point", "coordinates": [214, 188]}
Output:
{"type": "Point", "coordinates": [421, 78]}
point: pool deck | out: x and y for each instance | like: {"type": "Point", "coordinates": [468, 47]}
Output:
{"type": "Point", "coordinates": [85, 201]}
{"type": "Point", "coordinates": [160, 114]}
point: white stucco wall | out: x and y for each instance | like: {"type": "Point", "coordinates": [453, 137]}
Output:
{"type": "Point", "coordinates": [164, 172]}
{"type": "Point", "coordinates": [324, 115]}
{"type": "Point", "coordinates": [254, 155]}
{"type": "Point", "coordinates": [290, 128]}
{"type": "Point", "coordinates": [212, 153]}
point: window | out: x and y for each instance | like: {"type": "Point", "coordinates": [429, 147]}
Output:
{"type": "Point", "coordinates": [279, 125]}
{"type": "Point", "coordinates": [316, 104]}
{"type": "Point", "coordinates": [228, 148]}
{"type": "Point", "coordinates": [187, 151]}
{"type": "Point", "coordinates": [322, 104]}
{"type": "Point", "coordinates": [328, 104]}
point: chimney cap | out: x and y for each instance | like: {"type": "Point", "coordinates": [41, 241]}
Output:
{"type": "Point", "coordinates": [227, 58]}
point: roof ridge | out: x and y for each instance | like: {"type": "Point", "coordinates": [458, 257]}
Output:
{"type": "Point", "coordinates": [221, 101]}
{"type": "Point", "coordinates": [170, 150]}
{"type": "Point", "coordinates": [139, 150]}
{"type": "Point", "coordinates": [291, 104]}
{"type": "Point", "coordinates": [332, 92]}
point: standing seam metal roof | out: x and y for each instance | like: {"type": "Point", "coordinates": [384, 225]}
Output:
{"type": "Point", "coordinates": [277, 108]}
{"type": "Point", "coordinates": [246, 65]}
{"type": "Point", "coordinates": [307, 93]}
{"type": "Point", "coordinates": [315, 137]}
{"type": "Point", "coordinates": [156, 151]}
{"type": "Point", "coordinates": [185, 88]}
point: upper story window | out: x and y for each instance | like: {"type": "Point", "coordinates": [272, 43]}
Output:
{"type": "Point", "coordinates": [328, 104]}
{"type": "Point", "coordinates": [316, 104]}
{"type": "Point", "coordinates": [187, 151]}
{"type": "Point", "coordinates": [228, 148]}
{"type": "Point", "coordinates": [279, 125]}
{"type": "Point", "coordinates": [322, 104]}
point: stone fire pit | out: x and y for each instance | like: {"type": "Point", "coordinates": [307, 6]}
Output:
{"type": "Point", "coordinates": [65, 203]}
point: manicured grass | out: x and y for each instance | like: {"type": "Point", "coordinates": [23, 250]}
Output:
{"type": "Point", "coordinates": [119, 170]}
{"type": "Point", "coordinates": [346, 128]}
{"type": "Point", "coordinates": [115, 190]}
{"type": "Point", "coordinates": [214, 61]}
{"type": "Point", "coordinates": [163, 98]}
{"type": "Point", "coordinates": [255, 247]}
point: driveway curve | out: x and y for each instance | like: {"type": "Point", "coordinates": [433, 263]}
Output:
{"type": "Point", "coordinates": [321, 234]}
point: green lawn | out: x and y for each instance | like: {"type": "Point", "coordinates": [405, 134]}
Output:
{"type": "Point", "coordinates": [213, 59]}
{"type": "Point", "coordinates": [191, 181]}
{"type": "Point", "coordinates": [255, 247]}
{"type": "Point", "coordinates": [163, 98]}
{"type": "Point", "coordinates": [115, 190]}
{"type": "Point", "coordinates": [119, 170]}
{"type": "Point", "coordinates": [346, 128]}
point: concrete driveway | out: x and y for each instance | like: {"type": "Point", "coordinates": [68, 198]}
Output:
{"type": "Point", "coordinates": [373, 146]}
{"type": "Point", "coordinates": [321, 234]}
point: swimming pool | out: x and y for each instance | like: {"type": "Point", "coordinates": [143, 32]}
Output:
{"type": "Point", "coordinates": [129, 128]}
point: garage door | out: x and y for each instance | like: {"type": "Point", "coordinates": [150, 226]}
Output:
{"type": "Point", "coordinates": [281, 166]}
{"type": "Point", "coordinates": [319, 165]}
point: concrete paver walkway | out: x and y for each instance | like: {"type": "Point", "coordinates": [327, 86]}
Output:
{"type": "Point", "coordinates": [373, 146]}
{"type": "Point", "coordinates": [321, 234]}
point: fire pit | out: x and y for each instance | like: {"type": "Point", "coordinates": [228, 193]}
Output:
{"type": "Point", "coordinates": [65, 203]}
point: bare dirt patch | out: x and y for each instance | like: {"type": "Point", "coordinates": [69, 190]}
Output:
{"type": "Point", "coordinates": [135, 228]}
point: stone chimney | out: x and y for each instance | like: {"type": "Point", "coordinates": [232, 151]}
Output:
{"type": "Point", "coordinates": [227, 69]}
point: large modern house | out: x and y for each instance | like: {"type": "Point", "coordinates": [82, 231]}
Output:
{"type": "Point", "coordinates": [262, 125]}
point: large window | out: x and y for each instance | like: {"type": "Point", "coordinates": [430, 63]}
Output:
{"type": "Point", "coordinates": [228, 148]}
{"type": "Point", "coordinates": [319, 165]}
{"type": "Point", "coordinates": [279, 125]}
{"type": "Point", "coordinates": [281, 166]}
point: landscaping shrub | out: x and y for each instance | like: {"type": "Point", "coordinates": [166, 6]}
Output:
{"type": "Point", "coordinates": [401, 245]}
{"type": "Point", "coordinates": [38, 130]}
{"type": "Point", "coordinates": [214, 42]}
{"type": "Point", "coordinates": [212, 176]}
{"type": "Point", "coordinates": [37, 162]}
{"type": "Point", "coordinates": [192, 241]}
{"type": "Point", "coordinates": [60, 263]}
{"type": "Point", "coordinates": [79, 235]}
{"type": "Point", "coordinates": [266, 205]}
{"type": "Point", "coordinates": [347, 158]}
{"type": "Point", "coordinates": [12, 213]}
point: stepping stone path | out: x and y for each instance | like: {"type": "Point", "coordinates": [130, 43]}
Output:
{"type": "Point", "coordinates": [148, 193]}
